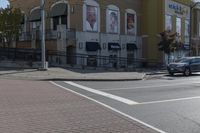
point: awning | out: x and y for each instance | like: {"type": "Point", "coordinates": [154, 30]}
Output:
{"type": "Point", "coordinates": [35, 15]}
{"type": "Point", "coordinates": [131, 47]}
{"type": "Point", "coordinates": [58, 10]}
{"type": "Point", "coordinates": [92, 46]}
{"type": "Point", "coordinates": [114, 46]}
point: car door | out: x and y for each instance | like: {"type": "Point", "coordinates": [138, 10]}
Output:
{"type": "Point", "coordinates": [194, 65]}
{"type": "Point", "coordinates": [198, 63]}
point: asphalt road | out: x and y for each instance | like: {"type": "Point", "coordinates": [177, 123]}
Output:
{"type": "Point", "coordinates": [169, 104]}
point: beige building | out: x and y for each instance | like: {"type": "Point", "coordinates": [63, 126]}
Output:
{"type": "Point", "coordinates": [91, 28]}
{"type": "Point", "coordinates": [119, 30]}
{"type": "Point", "coordinates": [161, 15]}
{"type": "Point", "coordinates": [196, 31]}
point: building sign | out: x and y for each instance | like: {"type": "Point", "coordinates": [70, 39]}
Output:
{"type": "Point", "coordinates": [174, 8]}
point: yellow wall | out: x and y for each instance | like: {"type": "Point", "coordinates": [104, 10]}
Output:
{"type": "Point", "coordinates": [153, 22]}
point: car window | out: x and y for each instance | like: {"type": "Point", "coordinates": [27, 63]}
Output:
{"type": "Point", "coordinates": [196, 60]}
{"type": "Point", "coordinates": [184, 60]}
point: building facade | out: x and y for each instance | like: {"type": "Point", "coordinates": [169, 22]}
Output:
{"type": "Point", "coordinates": [112, 28]}
{"type": "Point", "coordinates": [165, 15]}
{"type": "Point", "coordinates": [91, 28]}
{"type": "Point", "coordinates": [196, 31]}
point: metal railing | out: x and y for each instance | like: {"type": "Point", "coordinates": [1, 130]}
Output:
{"type": "Point", "coordinates": [15, 54]}
{"type": "Point", "coordinates": [60, 58]}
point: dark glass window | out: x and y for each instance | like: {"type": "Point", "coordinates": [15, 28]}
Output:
{"type": "Point", "coordinates": [55, 22]}
{"type": "Point", "coordinates": [64, 20]}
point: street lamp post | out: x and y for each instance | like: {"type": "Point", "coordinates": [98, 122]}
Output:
{"type": "Point", "coordinates": [190, 35]}
{"type": "Point", "coordinates": [42, 4]}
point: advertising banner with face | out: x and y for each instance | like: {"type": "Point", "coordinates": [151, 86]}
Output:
{"type": "Point", "coordinates": [187, 27]}
{"type": "Point", "coordinates": [168, 23]}
{"type": "Point", "coordinates": [113, 21]}
{"type": "Point", "coordinates": [187, 31]}
{"type": "Point", "coordinates": [91, 19]}
{"type": "Point", "coordinates": [131, 24]}
{"type": "Point", "coordinates": [178, 26]}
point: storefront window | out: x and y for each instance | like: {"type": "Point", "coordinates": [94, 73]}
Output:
{"type": "Point", "coordinates": [130, 59]}
{"type": "Point", "coordinates": [113, 60]}
{"type": "Point", "coordinates": [92, 60]}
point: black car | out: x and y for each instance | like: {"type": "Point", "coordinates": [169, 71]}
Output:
{"type": "Point", "coordinates": [186, 65]}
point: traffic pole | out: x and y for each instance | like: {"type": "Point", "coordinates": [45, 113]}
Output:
{"type": "Point", "coordinates": [42, 5]}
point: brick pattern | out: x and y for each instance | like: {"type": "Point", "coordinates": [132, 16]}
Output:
{"type": "Point", "coordinates": [40, 107]}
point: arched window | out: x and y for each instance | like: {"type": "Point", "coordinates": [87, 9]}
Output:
{"type": "Point", "coordinates": [35, 18]}
{"type": "Point", "coordinates": [23, 21]}
{"type": "Point", "coordinates": [91, 16]}
{"type": "Point", "coordinates": [59, 14]}
{"type": "Point", "coordinates": [35, 14]}
{"type": "Point", "coordinates": [130, 22]}
{"type": "Point", "coordinates": [112, 19]}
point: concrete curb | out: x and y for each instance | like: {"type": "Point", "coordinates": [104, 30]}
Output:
{"type": "Point", "coordinates": [70, 77]}
{"type": "Point", "coordinates": [156, 73]}
{"type": "Point", "coordinates": [67, 79]}
{"type": "Point", "coordinates": [60, 79]}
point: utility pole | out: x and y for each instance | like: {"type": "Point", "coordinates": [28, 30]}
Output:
{"type": "Point", "coordinates": [42, 6]}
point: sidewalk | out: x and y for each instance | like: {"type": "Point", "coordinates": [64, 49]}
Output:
{"type": "Point", "coordinates": [41, 107]}
{"type": "Point", "coordinates": [67, 74]}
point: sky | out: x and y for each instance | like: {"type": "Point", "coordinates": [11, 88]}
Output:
{"type": "Point", "coordinates": [3, 3]}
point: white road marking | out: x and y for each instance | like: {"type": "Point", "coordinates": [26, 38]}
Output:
{"type": "Point", "coordinates": [149, 86]}
{"type": "Point", "coordinates": [117, 98]}
{"type": "Point", "coordinates": [111, 108]}
{"type": "Point", "coordinates": [170, 100]}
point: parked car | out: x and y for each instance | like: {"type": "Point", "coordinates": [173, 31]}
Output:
{"type": "Point", "coordinates": [186, 65]}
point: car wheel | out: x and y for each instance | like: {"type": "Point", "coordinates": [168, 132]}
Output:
{"type": "Point", "coordinates": [171, 73]}
{"type": "Point", "coordinates": [187, 72]}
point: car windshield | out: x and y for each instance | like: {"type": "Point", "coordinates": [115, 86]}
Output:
{"type": "Point", "coordinates": [183, 60]}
